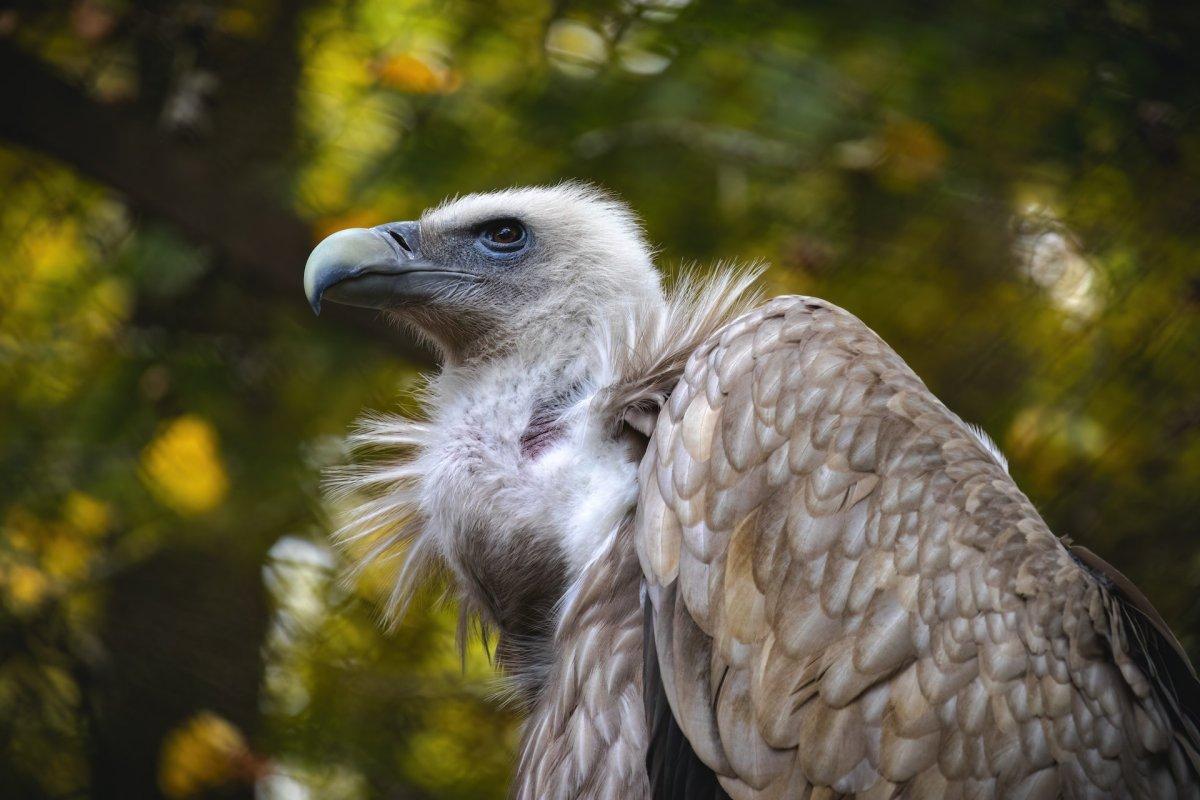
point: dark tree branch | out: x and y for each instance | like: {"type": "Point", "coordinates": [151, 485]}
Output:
{"type": "Point", "coordinates": [175, 181]}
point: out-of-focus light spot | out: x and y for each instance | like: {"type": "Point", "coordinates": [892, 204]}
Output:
{"type": "Point", "coordinates": [1057, 267]}
{"type": "Point", "coordinates": [575, 48]}
{"type": "Point", "coordinates": [278, 786]}
{"type": "Point", "coordinates": [657, 10]}
{"type": "Point", "coordinates": [182, 466]}
{"type": "Point", "coordinates": [297, 572]}
{"type": "Point", "coordinates": [638, 53]}
{"type": "Point", "coordinates": [287, 694]}
{"type": "Point", "coordinates": [9, 20]}
{"type": "Point", "coordinates": [859, 154]}
{"type": "Point", "coordinates": [40, 557]}
{"type": "Point", "coordinates": [408, 73]}
{"type": "Point", "coordinates": [52, 254]}
{"type": "Point", "coordinates": [186, 109]}
{"type": "Point", "coordinates": [643, 62]}
{"type": "Point", "coordinates": [294, 782]}
{"type": "Point", "coordinates": [92, 20]}
{"type": "Point", "coordinates": [106, 306]}
{"type": "Point", "coordinates": [1051, 259]}
{"type": "Point", "coordinates": [204, 752]}
{"type": "Point", "coordinates": [23, 586]}
{"type": "Point", "coordinates": [67, 558]}
{"type": "Point", "coordinates": [301, 553]}
{"type": "Point", "coordinates": [86, 514]}
{"type": "Point", "coordinates": [1051, 434]}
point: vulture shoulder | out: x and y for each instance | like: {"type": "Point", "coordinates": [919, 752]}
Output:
{"type": "Point", "coordinates": [848, 595]}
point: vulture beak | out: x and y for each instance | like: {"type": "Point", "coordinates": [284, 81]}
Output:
{"type": "Point", "coordinates": [378, 267]}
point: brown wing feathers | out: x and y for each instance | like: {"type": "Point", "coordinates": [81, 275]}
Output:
{"type": "Point", "coordinates": [851, 596]}
{"type": "Point", "coordinates": [674, 770]}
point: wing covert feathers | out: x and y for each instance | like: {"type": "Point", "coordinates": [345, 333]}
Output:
{"type": "Point", "coordinates": [852, 598]}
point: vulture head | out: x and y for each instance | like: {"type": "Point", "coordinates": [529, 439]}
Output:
{"type": "Point", "coordinates": [483, 274]}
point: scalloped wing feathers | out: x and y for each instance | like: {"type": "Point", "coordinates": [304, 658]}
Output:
{"type": "Point", "coordinates": [852, 598]}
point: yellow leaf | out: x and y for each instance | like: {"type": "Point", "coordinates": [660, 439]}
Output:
{"type": "Point", "coordinates": [67, 557]}
{"type": "Point", "coordinates": [24, 586]}
{"type": "Point", "coordinates": [204, 752]}
{"type": "Point", "coordinates": [182, 466]}
{"type": "Point", "coordinates": [86, 514]}
{"type": "Point", "coordinates": [411, 74]}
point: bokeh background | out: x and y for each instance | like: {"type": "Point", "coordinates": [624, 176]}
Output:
{"type": "Point", "coordinates": [1009, 192]}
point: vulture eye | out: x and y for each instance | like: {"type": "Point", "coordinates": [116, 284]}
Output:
{"type": "Point", "coordinates": [503, 236]}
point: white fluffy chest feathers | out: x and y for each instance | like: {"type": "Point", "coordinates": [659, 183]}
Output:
{"type": "Point", "coordinates": [506, 462]}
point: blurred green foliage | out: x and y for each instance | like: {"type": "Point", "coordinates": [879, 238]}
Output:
{"type": "Point", "coordinates": [1008, 192]}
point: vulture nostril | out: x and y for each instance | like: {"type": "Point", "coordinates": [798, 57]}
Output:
{"type": "Point", "coordinates": [400, 241]}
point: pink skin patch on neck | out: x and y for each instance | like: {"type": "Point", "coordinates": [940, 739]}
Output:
{"type": "Point", "coordinates": [542, 432]}
{"type": "Point", "coordinates": [545, 423]}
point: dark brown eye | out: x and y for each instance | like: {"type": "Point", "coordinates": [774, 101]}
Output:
{"type": "Point", "coordinates": [504, 236]}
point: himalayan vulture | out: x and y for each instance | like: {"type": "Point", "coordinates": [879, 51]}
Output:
{"type": "Point", "coordinates": [732, 548]}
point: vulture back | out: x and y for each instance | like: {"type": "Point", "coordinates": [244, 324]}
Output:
{"type": "Point", "coordinates": [849, 596]}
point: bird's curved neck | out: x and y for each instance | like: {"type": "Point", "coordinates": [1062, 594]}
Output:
{"type": "Point", "coordinates": [522, 490]}
{"type": "Point", "coordinates": [587, 735]}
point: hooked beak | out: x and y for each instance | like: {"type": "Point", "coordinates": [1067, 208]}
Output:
{"type": "Point", "coordinates": [378, 267]}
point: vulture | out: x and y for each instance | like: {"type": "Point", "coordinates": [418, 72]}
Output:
{"type": "Point", "coordinates": [727, 547]}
